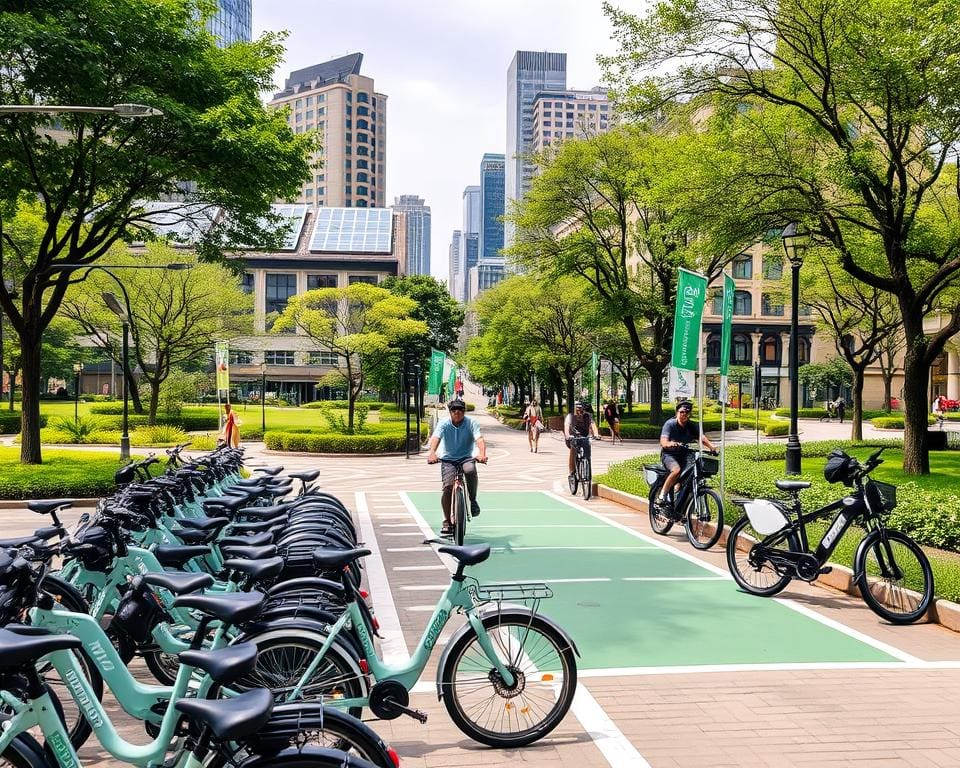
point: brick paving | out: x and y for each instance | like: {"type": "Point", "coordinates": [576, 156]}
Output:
{"type": "Point", "coordinates": [789, 717]}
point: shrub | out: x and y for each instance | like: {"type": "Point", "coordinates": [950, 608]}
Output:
{"type": "Point", "coordinates": [776, 429]}
{"type": "Point", "coordinates": [79, 431]}
{"type": "Point", "coordinates": [107, 408]}
{"type": "Point", "coordinates": [390, 442]}
{"type": "Point", "coordinates": [206, 442]}
{"type": "Point", "coordinates": [10, 422]}
{"type": "Point", "coordinates": [159, 434]}
{"type": "Point", "coordinates": [894, 422]}
{"type": "Point", "coordinates": [819, 413]}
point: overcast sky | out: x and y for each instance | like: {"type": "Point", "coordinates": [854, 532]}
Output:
{"type": "Point", "coordinates": [443, 65]}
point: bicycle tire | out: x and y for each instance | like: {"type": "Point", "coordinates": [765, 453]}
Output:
{"type": "Point", "coordinates": [308, 757]}
{"type": "Point", "coordinates": [701, 513]}
{"type": "Point", "coordinates": [753, 576]}
{"type": "Point", "coordinates": [660, 522]}
{"type": "Point", "coordinates": [586, 478]}
{"type": "Point", "coordinates": [573, 482]}
{"type": "Point", "coordinates": [511, 633]}
{"type": "Point", "coordinates": [24, 752]}
{"type": "Point", "coordinates": [911, 561]}
{"type": "Point", "coordinates": [459, 512]}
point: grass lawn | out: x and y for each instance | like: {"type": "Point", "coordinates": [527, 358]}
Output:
{"type": "Point", "coordinates": [63, 473]}
{"type": "Point", "coordinates": [944, 469]}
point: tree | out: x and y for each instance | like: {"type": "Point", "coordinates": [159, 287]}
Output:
{"type": "Point", "coordinates": [363, 324]}
{"type": "Point", "coordinates": [84, 176]}
{"type": "Point", "coordinates": [856, 116]}
{"type": "Point", "coordinates": [176, 317]}
{"type": "Point", "coordinates": [59, 352]}
{"type": "Point", "coordinates": [739, 375]}
{"type": "Point", "coordinates": [827, 377]}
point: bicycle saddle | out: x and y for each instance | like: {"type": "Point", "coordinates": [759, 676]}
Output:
{"type": "Point", "coordinates": [231, 607]}
{"type": "Point", "coordinates": [204, 523]}
{"type": "Point", "coordinates": [242, 527]}
{"type": "Point", "coordinates": [225, 664]}
{"type": "Point", "coordinates": [41, 534]}
{"type": "Point", "coordinates": [307, 476]}
{"type": "Point", "coordinates": [46, 506]}
{"type": "Point", "coordinates": [337, 558]}
{"type": "Point", "coordinates": [193, 536]}
{"type": "Point", "coordinates": [173, 556]}
{"type": "Point", "coordinates": [230, 719]}
{"type": "Point", "coordinates": [257, 540]}
{"type": "Point", "coordinates": [470, 555]}
{"type": "Point", "coordinates": [272, 471]}
{"type": "Point", "coordinates": [256, 569]}
{"type": "Point", "coordinates": [265, 513]}
{"type": "Point", "coordinates": [249, 553]}
{"type": "Point", "coordinates": [792, 485]}
{"type": "Point", "coordinates": [178, 583]}
{"type": "Point", "coordinates": [17, 650]}
{"type": "Point", "coordinates": [229, 503]}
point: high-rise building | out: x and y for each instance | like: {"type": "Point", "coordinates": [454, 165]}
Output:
{"type": "Point", "coordinates": [471, 252]}
{"type": "Point", "coordinates": [233, 22]}
{"type": "Point", "coordinates": [454, 267]}
{"type": "Point", "coordinates": [351, 117]}
{"type": "Point", "coordinates": [491, 205]}
{"type": "Point", "coordinates": [471, 209]}
{"type": "Point", "coordinates": [530, 73]}
{"type": "Point", "coordinates": [559, 115]}
{"type": "Point", "coordinates": [417, 216]}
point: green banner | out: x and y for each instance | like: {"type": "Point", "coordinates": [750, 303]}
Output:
{"type": "Point", "coordinates": [726, 333]}
{"type": "Point", "coordinates": [435, 379]}
{"type": "Point", "coordinates": [687, 318]}
{"type": "Point", "coordinates": [222, 356]}
{"type": "Point", "coordinates": [452, 380]}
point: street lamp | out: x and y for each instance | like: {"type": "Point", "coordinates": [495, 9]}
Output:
{"type": "Point", "coordinates": [77, 370]}
{"type": "Point", "coordinates": [263, 397]}
{"type": "Point", "coordinates": [120, 110]}
{"type": "Point", "coordinates": [795, 242]}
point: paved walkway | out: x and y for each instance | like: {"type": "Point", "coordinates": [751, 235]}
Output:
{"type": "Point", "coordinates": [677, 667]}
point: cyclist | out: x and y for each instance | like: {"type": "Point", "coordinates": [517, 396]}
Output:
{"type": "Point", "coordinates": [582, 423]}
{"type": "Point", "coordinates": [459, 434]}
{"type": "Point", "coordinates": [674, 436]}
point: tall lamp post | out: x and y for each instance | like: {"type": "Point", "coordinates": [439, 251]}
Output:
{"type": "Point", "coordinates": [263, 397]}
{"type": "Point", "coordinates": [77, 370]}
{"type": "Point", "coordinates": [795, 242]}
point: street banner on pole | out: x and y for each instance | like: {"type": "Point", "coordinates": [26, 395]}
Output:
{"type": "Point", "coordinates": [726, 337]}
{"type": "Point", "coordinates": [435, 378]}
{"type": "Point", "coordinates": [452, 379]}
{"type": "Point", "coordinates": [222, 351]}
{"type": "Point", "coordinates": [688, 315]}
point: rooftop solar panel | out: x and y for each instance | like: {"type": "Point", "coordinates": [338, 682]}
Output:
{"type": "Point", "coordinates": [352, 230]}
{"type": "Point", "coordinates": [293, 217]}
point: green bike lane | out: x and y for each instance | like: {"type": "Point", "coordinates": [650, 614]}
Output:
{"type": "Point", "coordinates": [629, 603]}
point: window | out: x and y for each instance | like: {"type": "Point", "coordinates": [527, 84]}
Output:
{"type": "Point", "coordinates": [349, 124]}
{"type": "Point", "coordinates": [363, 164]}
{"type": "Point", "coordinates": [278, 357]}
{"type": "Point", "coordinates": [348, 190]}
{"type": "Point", "coordinates": [363, 111]}
{"type": "Point", "coordinates": [298, 103]}
{"type": "Point", "coordinates": [309, 191]}
{"type": "Point", "coordinates": [803, 350]}
{"type": "Point", "coordinates": [361, 151]}
{"type": "Point", "coordinates": [280, 287]}
{"type": "Point", "coordinates": [580, 107]}
{"type": "Point", "coordinates": [771, 306]}
{"type": "Point", "coordinates": [247, 283]}
{"type": "Point", "coordinates": [321, 281]}
{"type": "Point", "coordinates": [320, 177]}
{"type": "Point", "coordinates": [361, 190]}
{"type": "Point", "coordinates": [713, 349]}
{"type": "Point", "coordinates": [548, 133]}
{"type": "Point", "coordinates": [348, 177]}
{"type": "Point", "coordinates": [321, 191]}
{"type": "Point", "coordinates": [361, 203]}
{"type": "Point", "coordinates": [349, 96]}
{"type": "Point", "coordinates": [363, 98]}
{"type": "Point", "coordinates": [324, 358]}
{"type": "Point", "coordinates": [309, 114]}
{"type": "Point", "coordinates": [740, 351]}
{"type": "Point", "coordinates": [363, 138]}
{"type": "Point", "coordinates": [742, 303]}
{"type": "Point", "coordinates": [348, 164]}
{"type": "Point", "coordinates": [743, 267]}
{"type": "Point", "coordinates": [239, 357]}
{"type": "Point", "coordinates": [604, 107]}
{"type": "Point", "coordinates": [321, 97]}
{"type": "Point", "coordinates": [772, 267]}
{"type": "Point", "coordinates": [321, 112]}
{"type": "Point", "coordinates": [592, 107]}
{"type": "Point", "coordinates": [309, 101]}
{"type": "Point", "coordinates": [770, 349]}
{"type": "Point", "coordinates": [363, 124]}
{"type": "Point", "coordinates": [364, 177]}
{"type": "Point", "coordinates": [803, 310]}
{"type": "Point", "coordinates": [369, 279]}
{"type": "Point", "coordinates": [717, 302]}
{"type": "Point", "coordinates": [298, 117]}
{"type": "Point", "coordinates": [349, 136]}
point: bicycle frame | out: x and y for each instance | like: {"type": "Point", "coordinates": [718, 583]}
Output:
{"type": "Point", "coordinates": [456, 596]}
{"type": "Point", "coordinates": [848, 510]}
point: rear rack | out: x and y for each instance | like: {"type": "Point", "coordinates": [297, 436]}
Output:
{"type": "Point", "coordinates": [509, 592]}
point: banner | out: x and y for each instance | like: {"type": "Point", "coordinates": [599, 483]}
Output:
{"type": "Point", "coordinates": [452, 380]}
{"type": "Point", "coordinates": [435, 378]}
{"type": "Point", "coordinates": [222, 357]}
{"type": "Point", "coordinates": [691, 297]}
{"type": "Point", "coordinates": [726, 335]}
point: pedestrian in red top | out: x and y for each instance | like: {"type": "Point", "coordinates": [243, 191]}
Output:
{"type": "Point", "coordinates": [231, 427]}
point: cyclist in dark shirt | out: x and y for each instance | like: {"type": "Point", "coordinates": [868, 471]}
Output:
{"type": "Point", "coordinates": [675, 434]}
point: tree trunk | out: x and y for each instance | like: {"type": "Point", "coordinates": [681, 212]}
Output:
{"type": "Point", "coordinates": [154, 402]}
{"type": "Point", "coordinates": [887, 391]}
{"type": "Point", "coordinates": [656, 391]}
{"type": "Point", "coordinates": [133, 390]}
{"type": "Point", "coordinates": [13, 385]}
{"type": "Point", "coordinates": [570, 385]}
{"type": "Point", "coordinates": [30, 408]}
{"type": "Point", "coordinates": [628, 382]}
{"type": "Point", "coordinates": [856, 425]}
{"type": "Point", "coordinates": [916, 460]}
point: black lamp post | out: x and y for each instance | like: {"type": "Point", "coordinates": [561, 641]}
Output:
{"type": "Point", "coordinates": [77, 370]}
{"type": "Point", "coordinates": [263, 397]}
{"type": "Point", "coordinates": [794, 244]}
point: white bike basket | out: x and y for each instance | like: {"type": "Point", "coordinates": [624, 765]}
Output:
{"type": "Point", "coordinates": [765, 516]}
{"type": "Point", "coordinates": [650, 475]}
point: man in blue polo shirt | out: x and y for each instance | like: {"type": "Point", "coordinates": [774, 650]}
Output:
{"type": "Point", "coordinates": [458, 435]}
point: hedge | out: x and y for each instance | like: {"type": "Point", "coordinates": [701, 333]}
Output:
{"type": "Point", "coordinates": [776, 429]}
{"type": "Point", "coordinates": [373, 405]}
{"type": "Point", "coordinates": [894, 422]}
{"type": "Point", "coordinates": [819, 413]}
{"type": "Point", "coordinates": [64, 474]}
{"type": "Point", "coordinates": [10, 422]}
{"type": "Point", "coordinates": [333, 443]}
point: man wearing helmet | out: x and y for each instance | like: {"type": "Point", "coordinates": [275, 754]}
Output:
{"type": "Point", "coordinates": [674, 436]}
{"type": "Point", "coordinates": [581, 423]}
{"type": "Point", "coordinates": [458, 435]}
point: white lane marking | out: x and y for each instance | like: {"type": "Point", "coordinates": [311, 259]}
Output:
{"type": "Point", "coordinates": [791, 604]}
{"type": "Point", "coordinates": [392, 644]}
{"type": "Point", "coordinates": [419, 567]}
{"type": "Point", "coordinates": [548, 526]}
{"type": "Point", "coordinates": [802, 666]}
{"type": "Point", "coordinates": [404, 533]}
{"type": "Point", "coordinates": [611, 742]}
{"type": "Point", "coordinates": [524, 549]}
{"type": "Point", "coordinates": [427, 531]}
{"type": "Point", "coordinates": [548, 582]}
{"type": "Point", "coordinates": [674, 578]}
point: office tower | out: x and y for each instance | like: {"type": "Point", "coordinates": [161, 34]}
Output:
{"type": "Point", "coordinates": [232, 22]}
{"type": "Point", "coordinates": [471, 252]}
{"type": "Point", "coordinates": [559, 115]}
{"type": "Point", "coordinates": [417, 216]}
{"type": "Point", "coordinates": [491, 205]}
{"type": "Point", "coordinates": [336, 100]}
{"type": "Point", "coordinates": [454, 267]}
{"type": "Point", "coordinates": [471, 209]}
{"type": "Point", "coordinates": [530, 73]}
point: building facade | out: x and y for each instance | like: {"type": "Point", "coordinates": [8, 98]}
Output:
{"type": "Point", "coordinates": [471, 255]}
{"type": "Point", "coordinates": [486, 274]}
{"type": "Point", "coordinates": [559, 115]}
{"type": "Point", "coordinates": [530, 73]}
{"type": "Point", "coordinates": [416, 215]}
{"type": "Point", "coordinates": [491, 205]}
{"type": "Point", "coordinates": [455, 267]}
{"type": "Point", "coordinates": [233, 22]}
{"type": "Point", "coordinates": [334, 99]}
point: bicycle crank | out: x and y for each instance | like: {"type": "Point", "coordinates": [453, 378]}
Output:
{"type": "Point", "coordinates": [389, 700]}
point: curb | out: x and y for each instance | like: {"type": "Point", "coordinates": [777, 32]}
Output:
{"type": "Point", "coordinates": [943, 612]}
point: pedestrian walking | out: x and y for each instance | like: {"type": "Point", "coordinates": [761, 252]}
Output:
{"type": "Point", "coordinates": [533, 418]}
{"type": "Point", "coordinates": [611, 414]}
{"type": "Point", "coordinates": [841, 406]}
{"type": "Point", "coordinates": [231, 427]}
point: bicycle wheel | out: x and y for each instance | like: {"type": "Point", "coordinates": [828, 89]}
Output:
{"type": "Point", "coordinates": [308, 757]}
{"type": "Point", "coordinates": [543, 663]}
{"type": "Point", "coordinates": [573, 482]}
{"type": "Point", "coordinates": [24, 752]}
{"type": "Point", "coordinates": [459, 511]}
{"type": "Point", "coordinates": [586, 478]}
{"type": "Point", "coordinates": [752, 571]}
{"type": "Point", "coordinates": [895, 579]}
{"type": "Point", "coordinates": [705, 519]}
{"type": "Point", "coordinates": [660, 522]}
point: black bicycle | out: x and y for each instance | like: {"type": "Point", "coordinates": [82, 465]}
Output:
{"type": "Point", "coordinates": [691, 500]}
{"type": "Point", "coordinates": [459, 503]}
{"type": "Point", "coordinates": [582, 476]}
{"type": "Point", "coordinates": [768, 546]}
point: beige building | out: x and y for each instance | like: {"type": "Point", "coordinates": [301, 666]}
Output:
{"type": "Point", "coordinates": [351, 117]}
{"type": "Point", "coordinates": [560, 115]}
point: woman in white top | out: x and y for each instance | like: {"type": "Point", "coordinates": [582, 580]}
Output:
{"type": "Point", "coordinates": [533, 417]}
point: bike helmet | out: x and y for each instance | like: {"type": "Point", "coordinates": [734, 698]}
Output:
{"type": "Point", "coordinates": [839, 468]}
{"type": "Point", "coordinates": [454, 405]}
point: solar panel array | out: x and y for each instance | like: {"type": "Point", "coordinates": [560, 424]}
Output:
{"type": "Point", "coordinates": [352, 230]}
{"type": "Point", "coordinates": [293, 216]}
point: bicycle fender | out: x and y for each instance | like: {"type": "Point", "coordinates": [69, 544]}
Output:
{"type": "Point", "coordinates": [864, 542]}
{"type": "Point", "coordinates": [306, 582]}
{"type": "Point", "coordinates": [507, 613]}
{"type": "Point", "coordinates": [328, 756]}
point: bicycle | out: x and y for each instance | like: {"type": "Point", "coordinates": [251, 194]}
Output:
{"type": "Point", "coordinates": [459, 502]}
{"type": "Point", "coordinates": [696, 503]}
{"type": "Point", "coordinates": [509, 667]}
{"type": "Point", "coordinates": [582, 476]}
{"type": "Point", "coordinates": [768, 545]}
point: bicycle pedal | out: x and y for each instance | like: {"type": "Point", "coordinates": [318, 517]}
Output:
{"type": "Point", "coordinates": [825, 570]}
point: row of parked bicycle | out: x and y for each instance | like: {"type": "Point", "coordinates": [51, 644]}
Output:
{"type": "Point", "coordinates": [243, 599]}
{"type": "Point", "coordinates": [768, 546]}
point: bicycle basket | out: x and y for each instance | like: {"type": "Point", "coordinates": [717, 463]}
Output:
{"type": "Point", "coordinates": [709, 466]}
{"type": "Point", "coordinates": [882, 495]}
{"type": "Point", "coordinates": [652, 473]}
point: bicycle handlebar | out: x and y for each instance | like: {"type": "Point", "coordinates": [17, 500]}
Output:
{"type": "Point", "coordinates": [459, 462]}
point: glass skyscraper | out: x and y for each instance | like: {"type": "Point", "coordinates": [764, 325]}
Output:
{"type": "Point", "coordinates": [233, 22]}
{"type": "Point", "coordinates": [491, 205]}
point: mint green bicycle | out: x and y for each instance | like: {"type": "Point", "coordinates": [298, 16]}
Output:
{"type": "Point", "coordinates": [507, 677]}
